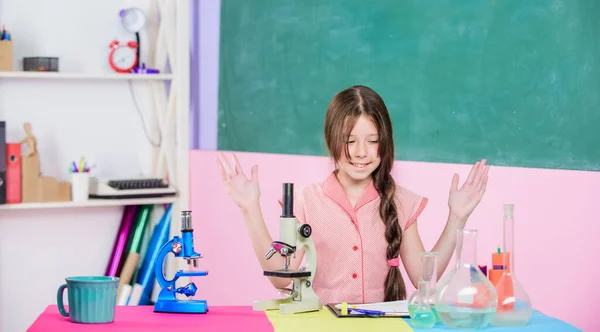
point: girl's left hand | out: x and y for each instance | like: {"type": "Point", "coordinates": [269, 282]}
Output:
{"type": "Point", "coordinates": [463, 201]}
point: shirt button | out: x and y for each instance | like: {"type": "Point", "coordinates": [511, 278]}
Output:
{"type": "Point", "coordinates": [355, 248]}
{"type": "Point", "coordinates": [354, 275]}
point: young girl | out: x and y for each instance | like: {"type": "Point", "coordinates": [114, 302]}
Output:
{"type": "Point", "coordinates": [363, 223]}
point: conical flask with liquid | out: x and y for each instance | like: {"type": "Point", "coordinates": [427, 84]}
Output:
{"type": "Point", "coordinates": [466, 299]}
{"type": "Point", "coordinates": [420, 309]}
{"type": "Point", "coordinates": [514, 305]}
{"type": "Point", "coordinates": [421, 304]}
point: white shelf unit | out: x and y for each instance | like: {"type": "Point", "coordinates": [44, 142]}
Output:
{"type": "Point", "coordinates": [89, 203]}
{"type": "Point", "coordinates": [171, 159]}
{"type": "Point", "coordinates": [85, 76]}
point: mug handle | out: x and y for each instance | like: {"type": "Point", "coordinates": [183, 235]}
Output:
{"type": "Point", "coordinates": [59, 300]}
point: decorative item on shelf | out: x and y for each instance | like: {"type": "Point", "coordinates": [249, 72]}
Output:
{"type": "Point", "coordinates": [134, 20]}
{"type": "Point", "coordinates": [6, 50]}
{"type": "Point", "coordinates": [13, 173]}
{"type": "Point", "coordinates": [131, 187]}
{"type": "Point", "coordinates": [123, 58]}
{"type": "Point", "coordinates": [40, 64]}
{"type": "Point", "coordinates": [37, 188]}
{"type": "Point", "coordinates": [3, 164]}
{"type": "Point", "coordinates": [80, 181]}
{"type": "Point", "coordinates": [144, 70]}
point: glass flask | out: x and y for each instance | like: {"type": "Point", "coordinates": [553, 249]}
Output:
{"type": "Point", "coordinates": [422, 301]}
{"type": "Point", "coordinates": [514, 305]}
{"type": "Point", "coordinates": [422, 315]}
{"type": "Point", "coordinates": [466, 299]}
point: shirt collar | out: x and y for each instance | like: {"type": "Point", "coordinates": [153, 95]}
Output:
{"type": "Point", "coordinates": [334, 190]}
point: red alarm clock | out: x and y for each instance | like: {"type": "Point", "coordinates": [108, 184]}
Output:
{"type": "Point", "coordinates": [123, 57]}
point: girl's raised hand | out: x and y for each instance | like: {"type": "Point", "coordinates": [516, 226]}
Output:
{"type": "Point", "coordinates": [242, 190]}
{"type": "Point", "coordinates": [463, 201]}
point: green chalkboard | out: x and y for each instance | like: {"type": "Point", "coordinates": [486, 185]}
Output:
{"type": "Point", "coordinates": [516, 82]}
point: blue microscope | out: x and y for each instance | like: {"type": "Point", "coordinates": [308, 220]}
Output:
{"type": "Point", "coordinates": [181, 247]}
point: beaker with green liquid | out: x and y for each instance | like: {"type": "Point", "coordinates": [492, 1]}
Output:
{"type": "Point", "coordinates": [466, 299]}
{"type": "Point", "coordinates": [421, 304]}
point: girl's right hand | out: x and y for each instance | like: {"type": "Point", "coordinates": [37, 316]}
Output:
{"type": "Point", "coordinates": [242, 190]}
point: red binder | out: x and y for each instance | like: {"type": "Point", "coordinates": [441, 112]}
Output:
{"type": "Point", "coordinates": [13, 173]}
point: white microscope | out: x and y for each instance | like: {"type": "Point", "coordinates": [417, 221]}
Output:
{"type": "Point", "coordinates": [301, 297]}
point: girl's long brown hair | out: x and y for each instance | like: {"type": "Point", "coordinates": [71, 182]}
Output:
{"type": "Point", "coordinates": [343, 111]}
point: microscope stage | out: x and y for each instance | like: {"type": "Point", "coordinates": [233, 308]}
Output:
{"type": "Point", "coordinates": [287, 273]}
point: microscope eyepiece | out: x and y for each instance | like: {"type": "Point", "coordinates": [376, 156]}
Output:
{"type": "Point", "coordinates": [186, 220]}
{"type": "Point", "coordinates": [288, 200]}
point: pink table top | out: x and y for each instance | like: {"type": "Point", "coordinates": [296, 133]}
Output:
{"type": "Point", "coordinates": [143, 318]}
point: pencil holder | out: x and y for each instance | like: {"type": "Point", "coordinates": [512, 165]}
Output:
{"type": "Point", "coordinates": [6, 55]}
{"type": "Point", "coordinates": [80, 186]}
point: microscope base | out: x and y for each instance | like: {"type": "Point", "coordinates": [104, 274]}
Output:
{"type": "Point", "coordinates": [184, 306]}
{"type": "Point", "coordinates": [288, 306]}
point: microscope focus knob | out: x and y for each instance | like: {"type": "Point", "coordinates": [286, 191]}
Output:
{"type": "Point", "coordinates": [176, 247]}
{"type": "Point", "coordinates": [305, 230]}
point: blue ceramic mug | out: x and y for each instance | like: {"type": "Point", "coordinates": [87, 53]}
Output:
{"type": "Point", "coordinates": [92, 299]}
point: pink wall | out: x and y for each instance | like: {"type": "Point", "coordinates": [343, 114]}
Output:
{"type": "Point", "coordinates": [555, 213]}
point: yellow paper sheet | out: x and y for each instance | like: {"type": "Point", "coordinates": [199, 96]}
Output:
{"type": "Point", "coordinates": [325, 321]}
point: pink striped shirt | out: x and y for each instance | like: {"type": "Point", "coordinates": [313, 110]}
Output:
{"type": "Point", "coordinates": [351, 248]}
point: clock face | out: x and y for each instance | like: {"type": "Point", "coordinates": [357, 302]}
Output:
{"type": "Point", "coordinates": [124, 57]}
